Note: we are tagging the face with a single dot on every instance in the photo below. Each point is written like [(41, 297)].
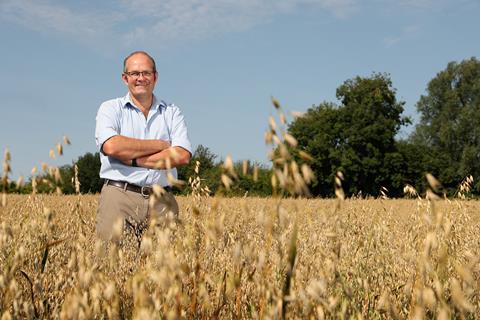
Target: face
[(141, 86)]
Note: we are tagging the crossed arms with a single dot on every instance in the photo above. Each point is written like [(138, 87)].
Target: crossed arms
[(152, 154)]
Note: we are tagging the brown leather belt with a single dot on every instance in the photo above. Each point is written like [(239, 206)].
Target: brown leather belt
[(144, 191)]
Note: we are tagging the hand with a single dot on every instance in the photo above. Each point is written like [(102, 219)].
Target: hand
[(127, 162)]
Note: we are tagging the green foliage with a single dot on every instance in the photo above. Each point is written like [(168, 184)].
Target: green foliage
[(356, 137), (449, 127), (46, 182), (245, 185), (415, 162), (319, 133), (211, 170), (88, 173), (10, 187), (67, 173)]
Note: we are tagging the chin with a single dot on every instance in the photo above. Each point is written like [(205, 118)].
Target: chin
[(142, 92)]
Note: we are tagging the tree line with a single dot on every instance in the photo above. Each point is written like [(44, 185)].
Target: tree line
[(357, 136), (209, 171)]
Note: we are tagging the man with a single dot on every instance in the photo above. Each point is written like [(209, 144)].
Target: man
[(139, 137)]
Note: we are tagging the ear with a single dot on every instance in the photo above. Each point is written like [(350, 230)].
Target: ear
[(125, 79)]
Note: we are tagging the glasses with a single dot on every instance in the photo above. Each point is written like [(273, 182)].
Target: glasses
[(137, 74)]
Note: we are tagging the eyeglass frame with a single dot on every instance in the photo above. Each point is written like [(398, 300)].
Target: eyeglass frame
[(145, 74)]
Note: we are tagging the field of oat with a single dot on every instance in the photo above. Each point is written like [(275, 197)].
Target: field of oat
[(244, 258)]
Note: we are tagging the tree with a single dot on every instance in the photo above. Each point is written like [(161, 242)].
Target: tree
[(450, 120), (211, 170), (208, 169), (88, 173), (246, 184), (67, 183), (319, 133), (357, 137)]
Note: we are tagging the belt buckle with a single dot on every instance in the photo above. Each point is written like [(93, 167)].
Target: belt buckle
[(146, 196)]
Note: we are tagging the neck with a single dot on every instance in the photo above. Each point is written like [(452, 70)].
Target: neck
[(143, 102)]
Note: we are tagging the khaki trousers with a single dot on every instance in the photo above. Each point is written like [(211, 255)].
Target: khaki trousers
[(119, 209)]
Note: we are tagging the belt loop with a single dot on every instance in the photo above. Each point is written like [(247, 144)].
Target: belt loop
[(125, 187), (106, 181)]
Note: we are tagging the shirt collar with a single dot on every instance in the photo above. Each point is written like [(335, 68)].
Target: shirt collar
[(156, 104)]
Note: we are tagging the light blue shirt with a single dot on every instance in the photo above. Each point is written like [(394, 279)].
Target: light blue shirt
[(121, 117)]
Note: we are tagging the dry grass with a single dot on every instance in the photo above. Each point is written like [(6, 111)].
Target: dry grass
[(245, 258), (229, 258)]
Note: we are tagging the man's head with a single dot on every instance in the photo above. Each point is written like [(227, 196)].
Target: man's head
[(140, 74), (135, 53)]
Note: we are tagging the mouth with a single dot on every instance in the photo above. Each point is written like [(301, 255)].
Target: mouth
[(142, 82)]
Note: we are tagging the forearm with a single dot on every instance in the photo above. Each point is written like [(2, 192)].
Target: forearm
[(172, 157), (126, 149)]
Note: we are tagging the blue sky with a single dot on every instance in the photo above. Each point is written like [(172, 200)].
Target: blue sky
[(219, 60)]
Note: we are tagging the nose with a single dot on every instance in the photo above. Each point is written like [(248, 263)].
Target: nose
[(142, 78)]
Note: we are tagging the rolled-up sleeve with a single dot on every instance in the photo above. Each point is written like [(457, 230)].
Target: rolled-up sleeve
[(107, 124), (179, 134)]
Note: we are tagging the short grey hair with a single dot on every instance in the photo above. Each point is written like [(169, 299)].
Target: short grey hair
[(139, 52)]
